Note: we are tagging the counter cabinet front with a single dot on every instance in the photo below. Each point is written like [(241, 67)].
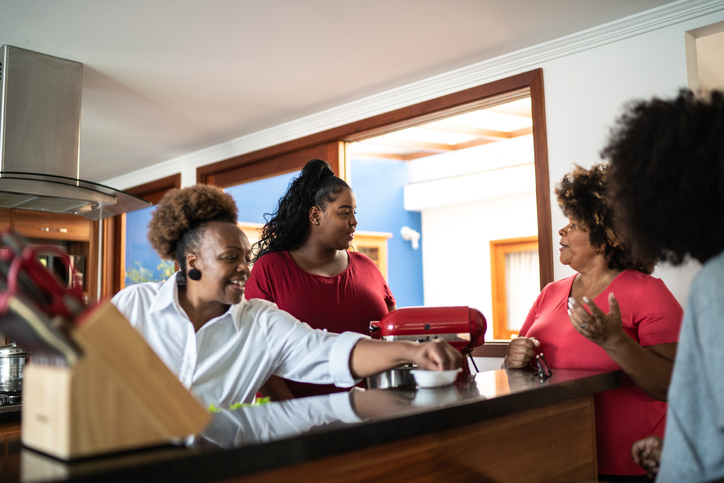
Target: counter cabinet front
[(494, 426)]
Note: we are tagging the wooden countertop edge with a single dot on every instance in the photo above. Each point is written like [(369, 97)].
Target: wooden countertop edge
[(222, 464)]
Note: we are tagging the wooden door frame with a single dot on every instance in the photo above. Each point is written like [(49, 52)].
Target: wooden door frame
[(285, 157), (114, 232)]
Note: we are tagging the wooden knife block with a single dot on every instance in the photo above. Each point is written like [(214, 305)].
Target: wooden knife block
[(119, 396)]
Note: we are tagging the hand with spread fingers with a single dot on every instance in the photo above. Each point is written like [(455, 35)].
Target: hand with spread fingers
[(521, 352), (600, 328)]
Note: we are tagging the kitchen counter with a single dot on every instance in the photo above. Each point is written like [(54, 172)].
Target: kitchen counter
[(497, 425)]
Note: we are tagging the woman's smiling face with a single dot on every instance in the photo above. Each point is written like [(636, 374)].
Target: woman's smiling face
[(224, 260)]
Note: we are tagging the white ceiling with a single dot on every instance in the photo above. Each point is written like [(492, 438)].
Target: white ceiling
[(165, 78)]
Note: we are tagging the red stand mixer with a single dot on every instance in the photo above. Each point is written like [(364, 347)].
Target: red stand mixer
[(461, 327)]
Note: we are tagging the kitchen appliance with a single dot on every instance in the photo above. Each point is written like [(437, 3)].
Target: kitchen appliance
[(400, 377), (12, 362), (71, 273), (40, 103), (462, 327)]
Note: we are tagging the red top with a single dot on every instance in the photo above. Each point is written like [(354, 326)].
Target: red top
[(348, 301), (650, 315)]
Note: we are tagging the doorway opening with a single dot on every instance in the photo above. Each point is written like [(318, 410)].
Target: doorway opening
[(440, 192)]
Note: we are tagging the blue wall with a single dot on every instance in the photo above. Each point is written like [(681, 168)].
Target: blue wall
[(379, 187), (259, 197)]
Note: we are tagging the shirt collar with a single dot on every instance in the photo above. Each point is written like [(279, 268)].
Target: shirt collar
[(166, 295)]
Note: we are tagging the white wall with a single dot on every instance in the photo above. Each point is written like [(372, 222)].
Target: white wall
[(585, 92), (456, 248)]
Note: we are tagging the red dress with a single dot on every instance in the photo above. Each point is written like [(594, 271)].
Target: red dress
[(650, 315), (348, 301)]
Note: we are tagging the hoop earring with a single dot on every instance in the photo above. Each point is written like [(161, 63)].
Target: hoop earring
[(194, 274)]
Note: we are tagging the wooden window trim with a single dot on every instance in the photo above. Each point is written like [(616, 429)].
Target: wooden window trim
[(374, 239), (285, 156), (498, 250), (247, 168), (114, 229)]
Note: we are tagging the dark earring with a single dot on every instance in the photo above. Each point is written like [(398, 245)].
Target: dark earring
[(195, 274)]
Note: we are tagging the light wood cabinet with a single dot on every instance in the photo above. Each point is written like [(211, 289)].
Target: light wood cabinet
[(73, 234), (47, 226)]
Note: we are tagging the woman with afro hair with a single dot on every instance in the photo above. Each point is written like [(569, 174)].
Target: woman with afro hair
[(578, 323), (303, 264), (667, 180), (224, 348)]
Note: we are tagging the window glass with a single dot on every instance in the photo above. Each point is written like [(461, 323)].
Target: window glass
[(142, 262)]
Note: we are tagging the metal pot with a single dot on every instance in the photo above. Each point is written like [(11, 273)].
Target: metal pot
[(12, 362), (397, 377)]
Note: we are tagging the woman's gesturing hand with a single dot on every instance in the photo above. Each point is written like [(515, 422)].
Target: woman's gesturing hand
[(520, 352), (437, 356), (603, 329)]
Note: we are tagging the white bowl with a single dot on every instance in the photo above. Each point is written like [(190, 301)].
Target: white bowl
[(425, 378)]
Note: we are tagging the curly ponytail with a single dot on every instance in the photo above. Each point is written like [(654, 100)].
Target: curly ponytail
[(287, 227)]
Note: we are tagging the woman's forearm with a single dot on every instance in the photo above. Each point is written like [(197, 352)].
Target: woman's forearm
[(647, 369), (371, 357)]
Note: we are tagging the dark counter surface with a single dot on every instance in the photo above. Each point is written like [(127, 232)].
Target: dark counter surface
[(257, 438)]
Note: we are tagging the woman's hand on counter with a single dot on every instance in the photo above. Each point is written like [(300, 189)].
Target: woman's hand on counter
[(521, 351), (370, 357)]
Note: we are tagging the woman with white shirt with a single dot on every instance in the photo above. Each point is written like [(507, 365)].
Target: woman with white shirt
[(222, 347)]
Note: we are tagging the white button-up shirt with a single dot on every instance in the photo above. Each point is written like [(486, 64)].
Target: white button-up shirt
[(232, 355)]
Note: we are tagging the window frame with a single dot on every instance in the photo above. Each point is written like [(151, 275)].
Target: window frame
[(114, 231), (498, 250)]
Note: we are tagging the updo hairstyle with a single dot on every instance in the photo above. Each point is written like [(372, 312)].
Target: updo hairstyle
[(177, 225), (582, 195), (287, 227)]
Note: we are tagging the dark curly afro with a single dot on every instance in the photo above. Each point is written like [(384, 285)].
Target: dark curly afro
[(177, 224), (667, 176), (583, 195)]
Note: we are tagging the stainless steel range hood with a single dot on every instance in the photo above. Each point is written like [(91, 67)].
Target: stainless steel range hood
[(40, 137)]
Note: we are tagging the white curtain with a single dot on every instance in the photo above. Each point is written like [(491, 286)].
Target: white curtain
[(522, 285)]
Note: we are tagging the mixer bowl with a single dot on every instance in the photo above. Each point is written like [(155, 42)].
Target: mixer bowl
[(398, 377)]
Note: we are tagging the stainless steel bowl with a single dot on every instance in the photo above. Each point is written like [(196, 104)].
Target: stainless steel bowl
[(12, 362), (397, 377)]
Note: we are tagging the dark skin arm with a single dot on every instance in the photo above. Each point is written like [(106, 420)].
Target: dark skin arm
[(370, 357), (648, 367), (277, 389)]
